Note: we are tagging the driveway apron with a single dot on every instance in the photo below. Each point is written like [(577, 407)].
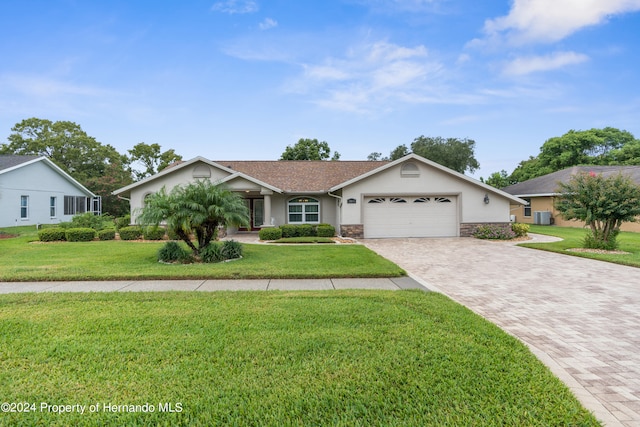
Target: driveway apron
[(580, 317)]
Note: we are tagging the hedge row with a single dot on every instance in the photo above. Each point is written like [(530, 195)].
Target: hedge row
[(57, 234), (298, 230)]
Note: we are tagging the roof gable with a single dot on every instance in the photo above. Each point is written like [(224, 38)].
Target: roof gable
[(547, 185), (434, 165), (12, 162)]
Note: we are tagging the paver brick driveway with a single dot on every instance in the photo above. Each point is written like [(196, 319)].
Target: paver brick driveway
[(579, 316)]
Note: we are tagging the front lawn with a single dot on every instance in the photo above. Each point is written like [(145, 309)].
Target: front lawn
[(352, 358), (573, 237), (22, 259)]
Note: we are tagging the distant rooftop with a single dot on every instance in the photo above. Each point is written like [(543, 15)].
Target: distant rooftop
[(548, 184)]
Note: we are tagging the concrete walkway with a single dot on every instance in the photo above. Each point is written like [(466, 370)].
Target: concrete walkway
[(580, 317), (392, 284)]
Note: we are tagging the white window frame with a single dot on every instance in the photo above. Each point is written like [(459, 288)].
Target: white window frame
[(304, 203), (24, 207), (53, 207)]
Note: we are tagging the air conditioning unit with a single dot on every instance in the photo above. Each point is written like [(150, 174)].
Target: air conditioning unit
[(542, 218)]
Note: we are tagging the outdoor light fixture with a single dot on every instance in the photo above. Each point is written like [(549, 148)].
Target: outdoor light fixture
[(486, 199)]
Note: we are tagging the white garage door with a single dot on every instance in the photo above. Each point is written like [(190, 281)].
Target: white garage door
[(410, 216)]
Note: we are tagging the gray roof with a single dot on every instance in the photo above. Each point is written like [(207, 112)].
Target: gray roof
[(10, 161), (548, 184)]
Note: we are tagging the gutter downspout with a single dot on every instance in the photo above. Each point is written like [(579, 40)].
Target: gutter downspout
[(339, 200)]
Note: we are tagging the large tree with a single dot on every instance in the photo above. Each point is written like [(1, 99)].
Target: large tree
[(309, 149), (454, 153), (66, 144), (602, 203), (197, 209), (606, 146), (151, 158), (78, 154)]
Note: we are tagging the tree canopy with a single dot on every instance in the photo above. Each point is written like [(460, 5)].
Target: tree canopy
[(454, 153), (66, 144), (608, 146), (152, 159), (309, 149), (196, 208)]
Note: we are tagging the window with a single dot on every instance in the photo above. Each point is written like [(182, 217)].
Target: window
[(75, 205), (397, 200), (422, 200), (527, 208), (52, 206), (304, 210), (441, 200), (377, 200), (24, 207)]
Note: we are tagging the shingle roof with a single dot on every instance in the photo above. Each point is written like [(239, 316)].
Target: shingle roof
[(548, 184), (10, 161), (302, 175)]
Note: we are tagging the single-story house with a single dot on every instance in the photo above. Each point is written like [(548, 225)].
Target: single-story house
[(33, 190), (408, 197), (542, 191)]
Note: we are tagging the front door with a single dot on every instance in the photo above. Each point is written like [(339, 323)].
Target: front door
[(256, 212)]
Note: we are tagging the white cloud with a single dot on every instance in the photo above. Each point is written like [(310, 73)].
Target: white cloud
[(235, 6), (531, 64), (371, 76), (531, 21), (267, 24)]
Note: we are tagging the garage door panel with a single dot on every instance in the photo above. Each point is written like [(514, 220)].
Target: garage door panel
[(428, 217)]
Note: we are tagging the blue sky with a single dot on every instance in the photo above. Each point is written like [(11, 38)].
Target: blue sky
[(242, 79)]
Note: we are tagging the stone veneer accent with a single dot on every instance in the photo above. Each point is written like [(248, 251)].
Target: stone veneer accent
[(355, 231), (466, 229)]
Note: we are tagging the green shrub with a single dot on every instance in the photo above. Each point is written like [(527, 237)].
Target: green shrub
[(123, 221), (306, 230), (90, 220), (298, 230), (133, 232), (289, 230), (51, 234), (154, 233), (591, 242), (494, 232), (173, 252), (520, 229), (325, 230), (80, 234), (271, 233), (107, 234), (231, 249), (212, 253)]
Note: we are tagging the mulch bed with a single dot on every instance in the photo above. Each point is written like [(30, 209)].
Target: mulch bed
[(7, 235), (598, 251)]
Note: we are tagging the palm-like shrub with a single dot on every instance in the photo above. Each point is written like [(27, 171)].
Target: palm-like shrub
[(195, 209)]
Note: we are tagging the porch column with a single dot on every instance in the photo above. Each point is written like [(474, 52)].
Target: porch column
[(267, 207)]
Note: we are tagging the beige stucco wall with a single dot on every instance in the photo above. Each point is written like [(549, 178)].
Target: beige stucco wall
[(170, 180), (431, 181), (546, 204)]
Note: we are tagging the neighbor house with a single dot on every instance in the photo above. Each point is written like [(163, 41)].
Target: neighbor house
[(541, 193), (33, 190), (408, 197)]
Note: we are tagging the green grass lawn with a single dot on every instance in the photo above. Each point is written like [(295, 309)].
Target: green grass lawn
[(573, 237), (352, 358), (23, 259)]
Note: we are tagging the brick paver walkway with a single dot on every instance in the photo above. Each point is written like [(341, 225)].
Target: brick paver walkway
[(581, 317)]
